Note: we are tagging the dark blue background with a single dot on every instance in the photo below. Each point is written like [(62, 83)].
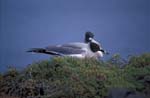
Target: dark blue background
[(122, 26)]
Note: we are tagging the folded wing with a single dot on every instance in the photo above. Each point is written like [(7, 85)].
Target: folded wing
[(58, 50)]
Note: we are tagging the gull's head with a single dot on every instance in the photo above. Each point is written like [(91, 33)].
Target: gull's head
[(94, 41), (96, 48), (88, 35)]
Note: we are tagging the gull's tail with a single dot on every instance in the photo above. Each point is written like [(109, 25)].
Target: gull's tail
[(42, 50)]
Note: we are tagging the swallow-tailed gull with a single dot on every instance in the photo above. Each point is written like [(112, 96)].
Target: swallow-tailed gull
[(90, 49)]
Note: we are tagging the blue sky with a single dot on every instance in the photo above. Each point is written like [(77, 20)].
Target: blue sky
[(121, 26)]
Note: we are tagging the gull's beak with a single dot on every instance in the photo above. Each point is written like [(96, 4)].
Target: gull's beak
[(104, 52)]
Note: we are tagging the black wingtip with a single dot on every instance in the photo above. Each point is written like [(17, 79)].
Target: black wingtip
[(37, 50), (29, 50), (42, 50)]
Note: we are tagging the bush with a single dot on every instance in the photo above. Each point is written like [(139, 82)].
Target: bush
[(76, 78), (140, 61)]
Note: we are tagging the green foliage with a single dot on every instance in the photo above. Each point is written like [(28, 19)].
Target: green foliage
[(140, 61), (138, 72), (77, 78)]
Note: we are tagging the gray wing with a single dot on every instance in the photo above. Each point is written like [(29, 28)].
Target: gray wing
[(63, 50), (75, 45)]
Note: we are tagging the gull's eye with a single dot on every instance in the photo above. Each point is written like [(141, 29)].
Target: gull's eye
[(90, 39), (94, 47)]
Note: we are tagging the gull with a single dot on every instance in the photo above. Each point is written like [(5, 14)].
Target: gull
[(89, 49)]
